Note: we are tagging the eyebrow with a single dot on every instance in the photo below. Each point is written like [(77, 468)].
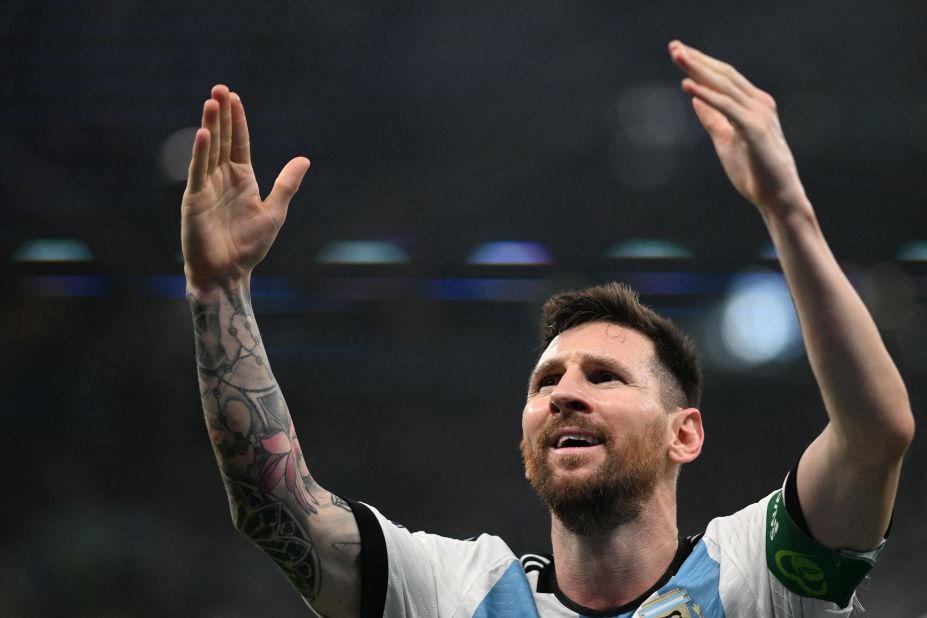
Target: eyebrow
[(585, 359)]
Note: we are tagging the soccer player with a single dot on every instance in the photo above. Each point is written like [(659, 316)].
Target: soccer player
[(611, 416)]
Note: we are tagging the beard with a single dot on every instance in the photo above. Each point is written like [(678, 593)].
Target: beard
[(611, 495)]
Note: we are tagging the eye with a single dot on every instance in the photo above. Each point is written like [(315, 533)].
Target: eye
[(606, 376), (547, 381)]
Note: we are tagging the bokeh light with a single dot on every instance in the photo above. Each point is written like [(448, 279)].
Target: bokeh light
[(758, 321)]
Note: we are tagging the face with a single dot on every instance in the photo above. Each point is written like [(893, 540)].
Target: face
[(595, 431)]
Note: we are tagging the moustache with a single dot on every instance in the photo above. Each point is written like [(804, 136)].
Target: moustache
[(600, 431)]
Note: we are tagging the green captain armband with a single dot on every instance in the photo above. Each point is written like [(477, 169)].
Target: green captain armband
[(806, 567)]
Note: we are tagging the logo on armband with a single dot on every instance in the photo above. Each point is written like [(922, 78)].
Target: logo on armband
[(803, 565), (802, 570)]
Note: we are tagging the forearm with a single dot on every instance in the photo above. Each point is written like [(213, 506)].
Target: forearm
[(251, 430), (304, 529), (226, 230), (847, 477), (862, 389)]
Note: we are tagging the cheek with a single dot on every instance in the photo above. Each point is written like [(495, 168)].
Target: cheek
[(531, 418)]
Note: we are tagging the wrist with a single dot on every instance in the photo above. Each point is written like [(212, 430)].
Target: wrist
[(788, 212), (786, 226), (204, 288)]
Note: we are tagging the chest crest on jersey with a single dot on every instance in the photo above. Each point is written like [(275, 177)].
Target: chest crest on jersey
[(673, 604)]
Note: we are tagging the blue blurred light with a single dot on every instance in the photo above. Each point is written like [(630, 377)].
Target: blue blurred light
[(660, 283), (769, 253), (913, 251), (167, 286), (647, 248), (67, 285), (175, 286), (758, 321), (271, 287), (499, 290), (510, 253), (363, 252), (53, 250)]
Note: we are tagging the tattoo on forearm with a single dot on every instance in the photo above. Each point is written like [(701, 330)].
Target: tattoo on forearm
[(256, 447), (271, 526)]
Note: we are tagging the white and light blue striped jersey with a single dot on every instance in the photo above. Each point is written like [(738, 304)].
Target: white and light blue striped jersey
[(755, 563)]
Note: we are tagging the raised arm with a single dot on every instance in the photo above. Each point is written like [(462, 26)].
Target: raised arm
[(848, 476), (226, 230)]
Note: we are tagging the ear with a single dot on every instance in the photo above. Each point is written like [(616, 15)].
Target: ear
[(688, 436)]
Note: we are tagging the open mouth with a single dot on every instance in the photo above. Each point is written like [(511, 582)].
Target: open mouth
[(575, 440)]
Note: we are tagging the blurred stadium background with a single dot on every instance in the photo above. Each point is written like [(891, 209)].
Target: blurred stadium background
[(468, 160)]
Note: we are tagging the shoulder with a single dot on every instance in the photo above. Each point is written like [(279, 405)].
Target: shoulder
[(766, 559), (442, 551), (740, 531), (408, 573)]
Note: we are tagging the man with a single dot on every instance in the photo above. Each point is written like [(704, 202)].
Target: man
[(610, 418)]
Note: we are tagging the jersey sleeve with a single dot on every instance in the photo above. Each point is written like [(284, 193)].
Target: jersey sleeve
[(770, 567), (416, 574)]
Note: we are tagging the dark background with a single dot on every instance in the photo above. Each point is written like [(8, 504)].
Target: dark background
[(436, 127)]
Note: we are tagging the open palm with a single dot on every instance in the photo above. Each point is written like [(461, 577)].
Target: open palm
[(226, 229), (743, 123)]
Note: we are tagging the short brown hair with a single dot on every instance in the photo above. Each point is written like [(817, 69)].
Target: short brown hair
[(676, 361)]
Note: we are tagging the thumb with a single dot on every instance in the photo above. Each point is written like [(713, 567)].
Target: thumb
[(287, 184)]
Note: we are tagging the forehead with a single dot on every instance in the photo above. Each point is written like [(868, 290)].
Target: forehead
[(623, 344)]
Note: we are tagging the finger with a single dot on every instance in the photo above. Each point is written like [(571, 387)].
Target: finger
[(199, 162), (211, 122), (241, 142), (286, 185), (722, 103), (221, 94), (703, 72), (694, 56), (714, 121), (711, 72), (723, 67)]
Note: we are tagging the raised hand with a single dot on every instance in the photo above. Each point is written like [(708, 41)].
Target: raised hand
[(226, 229), (744, 125)]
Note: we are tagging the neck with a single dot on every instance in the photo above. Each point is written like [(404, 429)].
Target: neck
[(609, 570)]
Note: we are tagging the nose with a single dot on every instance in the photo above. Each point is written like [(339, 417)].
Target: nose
[(569, 396)]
